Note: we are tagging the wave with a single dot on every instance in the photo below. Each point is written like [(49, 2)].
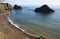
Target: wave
[(19, 27)]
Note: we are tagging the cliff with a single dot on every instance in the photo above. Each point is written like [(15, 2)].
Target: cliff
[(5, 6)]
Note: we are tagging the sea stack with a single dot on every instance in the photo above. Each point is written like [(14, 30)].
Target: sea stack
[(44, 9), (16, 7)]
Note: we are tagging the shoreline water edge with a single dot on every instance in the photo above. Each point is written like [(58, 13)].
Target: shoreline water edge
[(15, 25)]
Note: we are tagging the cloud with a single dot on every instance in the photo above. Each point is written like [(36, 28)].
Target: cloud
[(34, 2)]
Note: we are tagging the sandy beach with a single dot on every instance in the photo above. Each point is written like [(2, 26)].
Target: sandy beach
[(8, 31)]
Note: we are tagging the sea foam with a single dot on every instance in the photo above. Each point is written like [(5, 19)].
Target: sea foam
[(19, 27)]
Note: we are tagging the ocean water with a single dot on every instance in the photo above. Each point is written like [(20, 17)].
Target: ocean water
[(46, 25)]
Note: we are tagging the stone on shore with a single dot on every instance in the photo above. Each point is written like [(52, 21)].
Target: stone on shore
[(16, 7), (44, 9)]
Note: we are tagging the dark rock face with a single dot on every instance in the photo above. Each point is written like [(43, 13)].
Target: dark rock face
[(44, 9), (16, 7)]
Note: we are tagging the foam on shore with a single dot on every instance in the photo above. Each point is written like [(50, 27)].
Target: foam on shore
[(19, 27)]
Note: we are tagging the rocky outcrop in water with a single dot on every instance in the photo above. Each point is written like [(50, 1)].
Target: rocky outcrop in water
[(5, 6), (44, 9), (16, 7)]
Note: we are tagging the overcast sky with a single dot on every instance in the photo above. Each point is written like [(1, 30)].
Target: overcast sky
[(34, 2)]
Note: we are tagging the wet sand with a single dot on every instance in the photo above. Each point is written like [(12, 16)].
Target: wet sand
[(8, 31)]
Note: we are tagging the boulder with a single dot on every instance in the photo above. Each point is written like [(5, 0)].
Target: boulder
[(44, 9), (16, 7)]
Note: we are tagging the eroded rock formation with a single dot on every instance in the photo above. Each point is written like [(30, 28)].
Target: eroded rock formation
[(5, 6)]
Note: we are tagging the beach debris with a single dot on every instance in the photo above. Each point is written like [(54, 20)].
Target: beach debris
[(44, 9)]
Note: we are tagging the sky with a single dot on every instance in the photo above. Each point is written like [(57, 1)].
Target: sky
[(33, 2)]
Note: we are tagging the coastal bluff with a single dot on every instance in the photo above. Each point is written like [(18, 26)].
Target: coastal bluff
[(5, 6)]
